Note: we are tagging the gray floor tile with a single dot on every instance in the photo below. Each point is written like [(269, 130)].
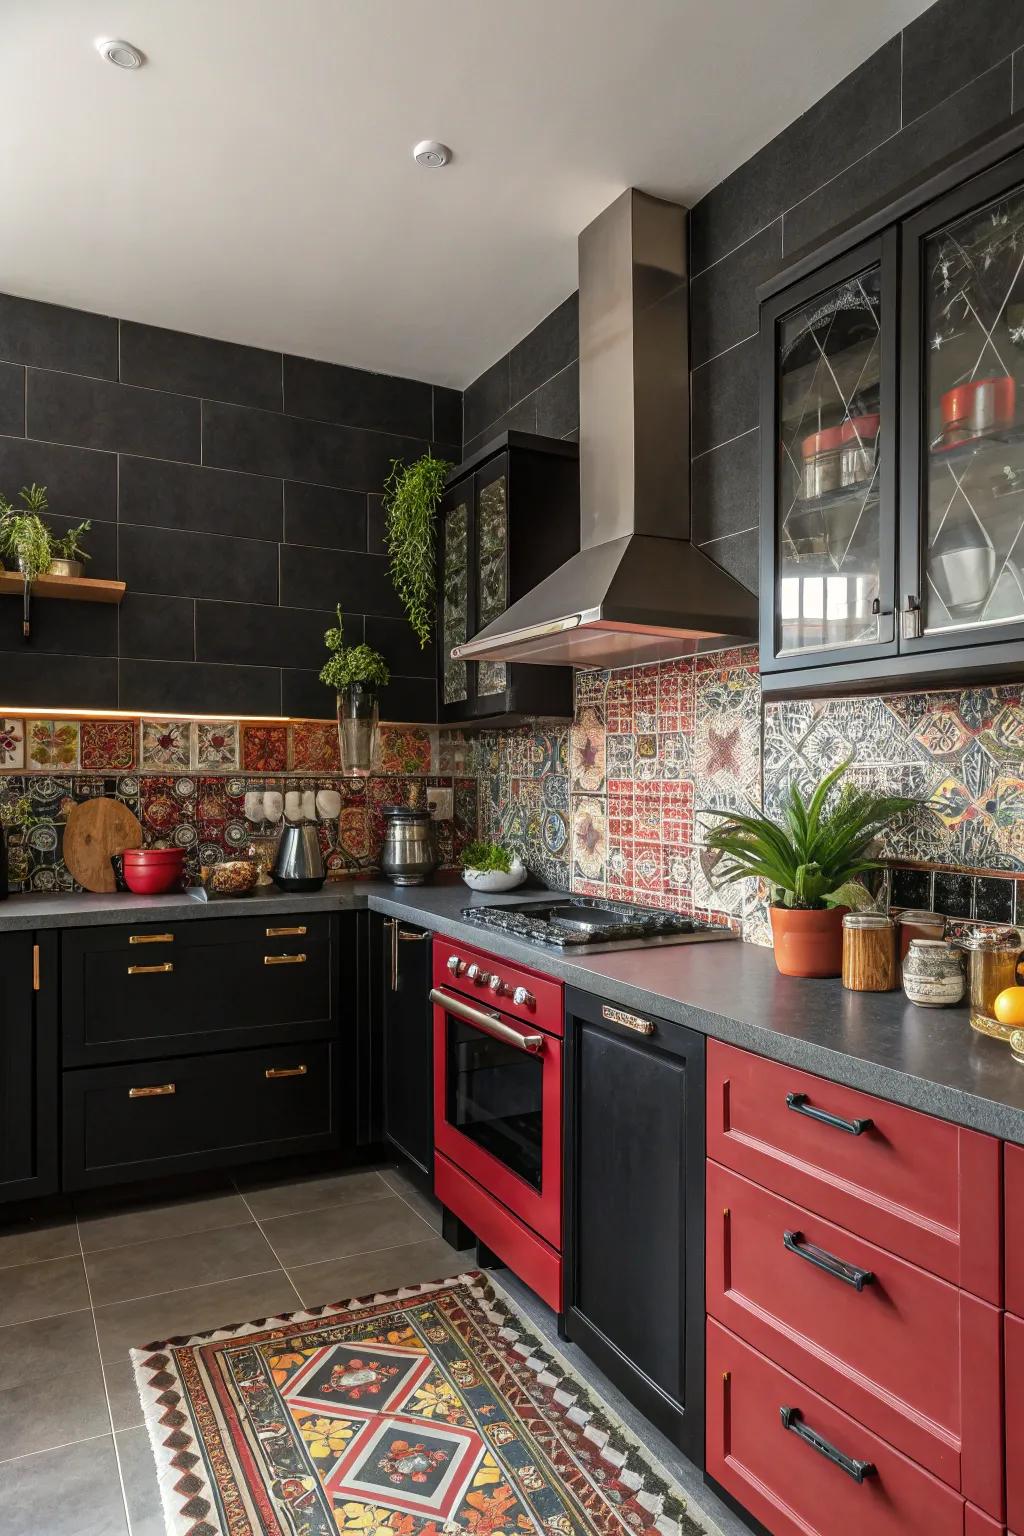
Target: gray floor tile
[(341, 1279), (28, 1291), (156, 1219), (57, 1351), (122, 1393), (411, 1193), (29, 1242), (138, 1471), (71, 1492), (286, 1197), (132, 1324), (338, 1231), (177, 1263)]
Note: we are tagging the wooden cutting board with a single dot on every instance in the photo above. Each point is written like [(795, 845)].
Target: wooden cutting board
[(95, 830)]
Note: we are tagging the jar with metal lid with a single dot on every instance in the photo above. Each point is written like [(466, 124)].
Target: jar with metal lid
[(821, 451), (858, 444), (869, 952), (995, 957), (933, 974), (917, 923)]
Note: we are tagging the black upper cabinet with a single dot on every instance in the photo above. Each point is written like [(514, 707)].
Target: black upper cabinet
[(509, 517), (28, 1066), (892, 411), (407, 1038)]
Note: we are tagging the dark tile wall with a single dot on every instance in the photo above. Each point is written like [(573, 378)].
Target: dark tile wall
[(236, 492), (534, 388)]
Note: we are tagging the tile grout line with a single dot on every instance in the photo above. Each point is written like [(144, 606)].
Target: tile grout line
[(368, 1252), (269, 1244), (103, 1374), (64, 1446)]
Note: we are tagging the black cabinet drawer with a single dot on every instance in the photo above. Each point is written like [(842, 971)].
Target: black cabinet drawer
[(131, 993), (193, 1112)]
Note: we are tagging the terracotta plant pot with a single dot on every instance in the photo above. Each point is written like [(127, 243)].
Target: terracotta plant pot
[(808, 943)]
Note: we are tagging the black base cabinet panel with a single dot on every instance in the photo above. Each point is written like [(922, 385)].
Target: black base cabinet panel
[(185, 1114), (634, 1239), (407, 1040), (28, 1066)]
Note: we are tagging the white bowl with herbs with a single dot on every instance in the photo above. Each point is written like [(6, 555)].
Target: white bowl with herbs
[(491, 868)]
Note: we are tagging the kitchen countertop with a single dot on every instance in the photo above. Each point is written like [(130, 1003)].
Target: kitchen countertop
[(929, 1059)]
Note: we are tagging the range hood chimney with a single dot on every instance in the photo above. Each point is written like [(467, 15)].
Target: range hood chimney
[(638, 590)]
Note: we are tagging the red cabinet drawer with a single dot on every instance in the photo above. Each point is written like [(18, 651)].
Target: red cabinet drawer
[(794, 1489), (1013, 1196), (977, 1523), (1014, 1341), (910, 1356), (920, 1187)]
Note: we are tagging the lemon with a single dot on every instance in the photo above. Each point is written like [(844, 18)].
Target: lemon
[(1009, 1006)]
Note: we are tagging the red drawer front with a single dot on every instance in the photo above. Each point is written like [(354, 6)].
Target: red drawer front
[(1014, 1339), (977, 1523), (908, 1355), (1013, 1185), (537, 1265), (793, 1489), (917, 1186), (546, 1009)]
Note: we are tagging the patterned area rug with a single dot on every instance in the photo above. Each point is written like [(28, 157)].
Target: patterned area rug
[(429, 1411)]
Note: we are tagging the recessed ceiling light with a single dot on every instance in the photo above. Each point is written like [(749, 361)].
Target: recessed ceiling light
[(430, 153), (116, 51)]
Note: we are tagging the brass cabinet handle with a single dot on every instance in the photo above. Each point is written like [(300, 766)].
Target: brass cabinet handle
[(35, 968), (286, 933), (412, 938), (151, 938), (284, 959), (158, 1091), (273, 1072), (631, 1021), (151, 970)]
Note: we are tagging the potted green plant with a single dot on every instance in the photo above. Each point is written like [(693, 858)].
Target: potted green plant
[(490, 866), (24, 537), (809, 858), (68, 555), (356, 673), (411, 494)]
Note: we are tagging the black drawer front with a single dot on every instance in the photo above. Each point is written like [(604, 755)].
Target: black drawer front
[(131, 993), (123, 1123)]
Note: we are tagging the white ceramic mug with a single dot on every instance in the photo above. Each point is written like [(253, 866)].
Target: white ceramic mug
[(273, 804)]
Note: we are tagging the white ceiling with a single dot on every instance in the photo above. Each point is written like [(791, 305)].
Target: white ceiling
[(254, 181)]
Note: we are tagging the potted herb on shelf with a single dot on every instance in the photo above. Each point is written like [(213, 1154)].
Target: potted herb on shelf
[(411, 494), (24, 537), (68, 555), (356, 673), (810, 859)]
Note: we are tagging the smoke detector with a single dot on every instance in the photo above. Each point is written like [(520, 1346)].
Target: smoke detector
[(116, 51), (430, 153)]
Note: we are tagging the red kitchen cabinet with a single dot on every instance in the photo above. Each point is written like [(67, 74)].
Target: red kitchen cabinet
[(1013, 1231), (1014, 1348), (977, 1523)]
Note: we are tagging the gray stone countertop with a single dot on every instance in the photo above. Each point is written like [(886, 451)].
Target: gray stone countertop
[(928, 1059)]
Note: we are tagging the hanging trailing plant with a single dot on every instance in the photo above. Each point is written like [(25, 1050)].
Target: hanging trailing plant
[(411, 495)]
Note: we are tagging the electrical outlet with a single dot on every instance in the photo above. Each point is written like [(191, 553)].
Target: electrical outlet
[(439, 803)]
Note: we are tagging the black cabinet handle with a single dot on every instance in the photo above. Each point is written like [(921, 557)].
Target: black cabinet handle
[(858, 1470), (849, 1274), (798, 1102)]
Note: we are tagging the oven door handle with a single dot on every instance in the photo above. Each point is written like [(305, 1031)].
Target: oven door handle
[(488, 1022)]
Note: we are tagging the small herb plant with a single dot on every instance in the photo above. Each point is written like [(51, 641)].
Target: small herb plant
[(30, 542), (810, 857), (351, 663), (69, 546), (483, 857), (411, 495)]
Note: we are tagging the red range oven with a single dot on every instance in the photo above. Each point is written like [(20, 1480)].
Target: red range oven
[(498, 1108)]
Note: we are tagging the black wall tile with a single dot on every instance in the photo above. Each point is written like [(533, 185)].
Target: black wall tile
[(397, 643), (319, 515), (101, 545), (193, 688), (375, 522), (724, 397), (409, 698), (156, 628), (1018, 80), (63, 408), (50, 336), (30, 679), (161, 494), (320, 578), (953, 893), (903, 160), (79, 482), (993, 900), (724, 490), (947, 46), (302, 693), (12, 399), (736, 554), (266, 443), (447, 414), (354, 398), (179, 564), (549, 348), (486, 399), (558, 403), (254, 635), (723, 298), (82, 629), (912, 888), (198, 365)]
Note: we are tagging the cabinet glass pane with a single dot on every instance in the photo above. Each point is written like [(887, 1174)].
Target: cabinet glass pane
[(974, 461), (492, 539), (828, 555), (455, 609)]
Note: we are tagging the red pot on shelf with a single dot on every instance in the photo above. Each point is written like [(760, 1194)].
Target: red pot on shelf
[(153, 871)]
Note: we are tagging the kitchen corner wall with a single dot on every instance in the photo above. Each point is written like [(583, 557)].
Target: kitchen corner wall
[(235, 490)]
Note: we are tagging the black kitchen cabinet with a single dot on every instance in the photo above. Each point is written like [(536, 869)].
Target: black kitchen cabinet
[(892, 439), (634, 1240), (407, 1049), (28, 1066), (510, 516)]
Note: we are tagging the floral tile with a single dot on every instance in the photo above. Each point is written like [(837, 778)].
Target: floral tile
[(405, 749), (12, 744), (264, 748), (314, 747), (52, 743), (618, 702), (215, 744), (166, 744), (109, 744), (587, 751)]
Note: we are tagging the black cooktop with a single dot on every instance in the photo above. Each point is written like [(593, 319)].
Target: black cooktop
[(584, 922)]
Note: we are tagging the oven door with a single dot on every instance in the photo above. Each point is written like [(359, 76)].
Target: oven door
[(498, 1108)]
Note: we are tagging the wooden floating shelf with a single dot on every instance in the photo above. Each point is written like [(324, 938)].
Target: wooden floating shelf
[(74, 589)]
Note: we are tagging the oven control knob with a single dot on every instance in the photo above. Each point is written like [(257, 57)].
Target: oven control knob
[(476, 974), (497, 986), (455, 965), (523, 998)]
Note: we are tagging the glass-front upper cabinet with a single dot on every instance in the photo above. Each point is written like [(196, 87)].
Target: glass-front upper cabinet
[(828, 348)]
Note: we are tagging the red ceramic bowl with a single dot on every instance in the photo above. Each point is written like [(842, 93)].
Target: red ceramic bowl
[(152, 871)]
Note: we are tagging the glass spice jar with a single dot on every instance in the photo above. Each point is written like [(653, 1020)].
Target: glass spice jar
[(869, 952), (994, 960)]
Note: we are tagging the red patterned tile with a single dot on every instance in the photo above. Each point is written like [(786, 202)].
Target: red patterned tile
[(264, 748), (109, 745), (618, 707), (315, 747), (404, 749)]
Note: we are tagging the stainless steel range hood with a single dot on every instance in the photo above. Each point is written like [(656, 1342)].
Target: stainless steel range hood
[(638, 590)]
